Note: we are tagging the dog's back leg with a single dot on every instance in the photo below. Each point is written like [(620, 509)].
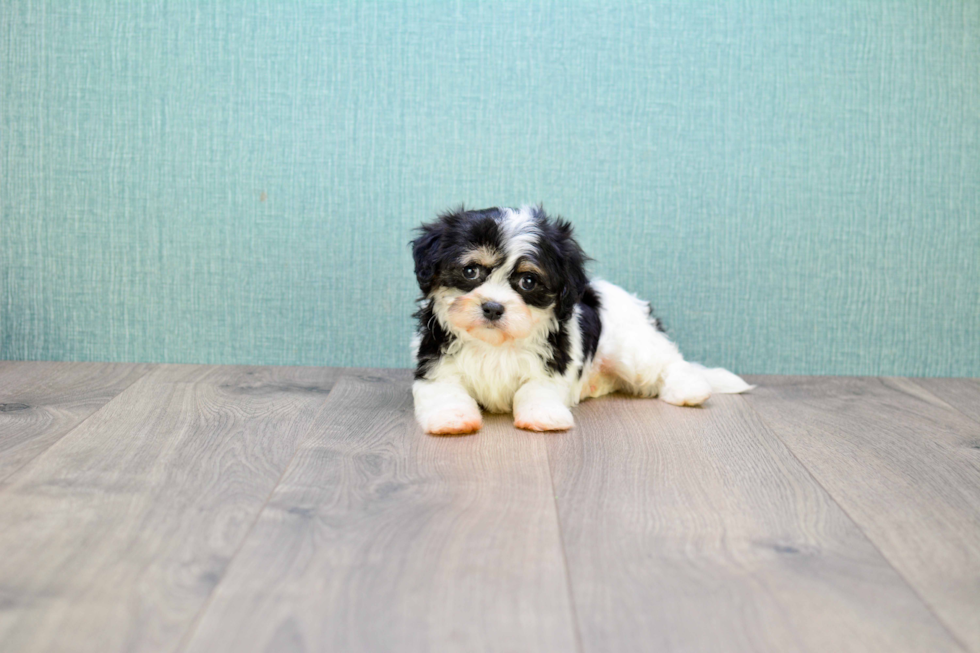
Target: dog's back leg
[(645, 361)]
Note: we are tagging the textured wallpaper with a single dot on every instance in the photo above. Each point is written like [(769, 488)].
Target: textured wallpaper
[(795, 185)]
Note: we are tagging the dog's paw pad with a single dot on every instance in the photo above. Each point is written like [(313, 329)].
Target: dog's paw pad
[(687, 390), (544, 418), (453, 421)]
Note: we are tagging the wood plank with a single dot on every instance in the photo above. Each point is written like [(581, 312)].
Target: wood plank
[(697, 530), (904, 466), (961, 394), (266, 378), (114, 538), (381, 538), (41, 401)]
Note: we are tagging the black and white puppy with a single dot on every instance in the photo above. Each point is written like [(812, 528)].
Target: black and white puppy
[(509, 321)]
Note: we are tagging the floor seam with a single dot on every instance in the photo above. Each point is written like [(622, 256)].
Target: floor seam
[(4, 484), (955, 409), (830, 495), (576, 627), (192, 628)]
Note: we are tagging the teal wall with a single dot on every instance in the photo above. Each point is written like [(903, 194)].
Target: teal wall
[(795, 185)]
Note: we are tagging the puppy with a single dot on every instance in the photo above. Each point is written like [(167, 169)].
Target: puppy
[(509, 321)]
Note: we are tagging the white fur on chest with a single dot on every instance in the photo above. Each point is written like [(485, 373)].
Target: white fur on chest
[(492, 374)]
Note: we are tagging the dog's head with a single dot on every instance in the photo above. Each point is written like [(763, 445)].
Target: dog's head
[(498, 275)]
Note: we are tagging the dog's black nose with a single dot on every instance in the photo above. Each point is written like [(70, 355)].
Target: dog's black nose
[(492, 310)]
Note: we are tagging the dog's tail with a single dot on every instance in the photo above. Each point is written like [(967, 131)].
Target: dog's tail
[(722, 381)]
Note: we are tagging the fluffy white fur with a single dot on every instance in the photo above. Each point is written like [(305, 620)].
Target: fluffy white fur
[(502, 367)]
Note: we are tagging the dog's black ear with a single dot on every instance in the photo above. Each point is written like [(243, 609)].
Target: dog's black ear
[(573, 270), (425, 250)]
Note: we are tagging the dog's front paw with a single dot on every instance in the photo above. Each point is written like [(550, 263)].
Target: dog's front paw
[(543, 417), (685, 389), (452, 420)]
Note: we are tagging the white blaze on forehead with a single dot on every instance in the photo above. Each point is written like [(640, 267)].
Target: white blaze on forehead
[(521, 233), (520, 236), (497, 292)]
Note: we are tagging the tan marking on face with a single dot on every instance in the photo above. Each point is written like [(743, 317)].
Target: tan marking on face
[(466, 314), (527, 266), (483, 255)]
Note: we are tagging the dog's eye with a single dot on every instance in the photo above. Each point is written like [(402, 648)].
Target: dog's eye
[(471, 272), (527, 282)]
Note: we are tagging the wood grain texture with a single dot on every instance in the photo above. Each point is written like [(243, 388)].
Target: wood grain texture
[(114, 538), (258, 378), (41, 401), (697, 530), (905, 467), (381, 538), (961, 394)]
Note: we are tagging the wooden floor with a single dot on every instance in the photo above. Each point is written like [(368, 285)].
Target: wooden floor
[(207, 509)]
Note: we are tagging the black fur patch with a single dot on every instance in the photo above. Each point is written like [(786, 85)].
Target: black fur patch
[(433, 340), (442, 243), (560, 350), (563, 263), (654, 320), (590, 325)]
